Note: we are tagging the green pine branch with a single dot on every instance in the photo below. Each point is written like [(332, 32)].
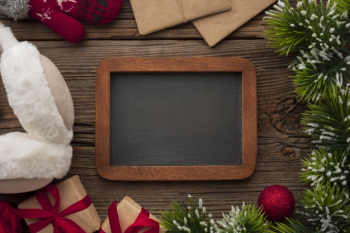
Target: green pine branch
[(292, 226), (317, 33), (327, 207), (194, 219), (311, 24), (248, 219), (325, 166), (328, 123), (318, 74), (186, 219)]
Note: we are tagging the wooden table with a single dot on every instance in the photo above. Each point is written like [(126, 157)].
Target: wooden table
[(281, 143)]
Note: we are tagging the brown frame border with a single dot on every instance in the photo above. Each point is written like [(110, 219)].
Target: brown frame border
[(161, 173)]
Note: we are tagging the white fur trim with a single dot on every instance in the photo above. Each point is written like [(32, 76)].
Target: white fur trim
[(24, 157), (7, 39), (29, 95), (17, 9)]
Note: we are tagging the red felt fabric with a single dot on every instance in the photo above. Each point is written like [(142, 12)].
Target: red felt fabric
[(9, 221), (62, 15)]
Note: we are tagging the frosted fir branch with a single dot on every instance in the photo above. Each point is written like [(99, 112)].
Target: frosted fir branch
[(328, 122), (247, 219), (324, 166), (326, 207), (317, 72), (293, 226), (188, 219), (291, 30)]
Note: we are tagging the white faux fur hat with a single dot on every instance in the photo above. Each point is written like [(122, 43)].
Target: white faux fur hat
[(44, 151)]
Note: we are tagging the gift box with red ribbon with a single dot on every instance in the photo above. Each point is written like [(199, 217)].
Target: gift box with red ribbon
[(129, 217), (60, 209)]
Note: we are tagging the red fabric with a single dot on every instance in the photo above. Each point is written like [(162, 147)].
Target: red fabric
[(62, 15), (141, 221), (49, 214), (9, 221)]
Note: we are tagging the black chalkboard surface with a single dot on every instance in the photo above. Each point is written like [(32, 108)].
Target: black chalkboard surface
[(183, 119), (176, 119)]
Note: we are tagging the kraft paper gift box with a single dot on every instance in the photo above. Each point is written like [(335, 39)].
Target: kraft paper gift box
[(128, 211), (71, 191), (155, 15), (216, 27)]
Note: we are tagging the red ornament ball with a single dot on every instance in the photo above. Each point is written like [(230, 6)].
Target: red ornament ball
[(277, 202)]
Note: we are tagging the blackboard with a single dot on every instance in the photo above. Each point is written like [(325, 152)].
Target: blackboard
[(182, 119), (176, 119)]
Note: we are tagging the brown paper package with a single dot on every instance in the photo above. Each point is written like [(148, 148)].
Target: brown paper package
[(155, 15), (128, 210), (71, 191), (216, 27)]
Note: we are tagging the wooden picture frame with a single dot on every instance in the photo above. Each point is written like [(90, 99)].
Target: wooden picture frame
[(176, 173)]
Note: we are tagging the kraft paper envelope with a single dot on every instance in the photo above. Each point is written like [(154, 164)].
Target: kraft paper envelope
[(216, 27), (155, 15)]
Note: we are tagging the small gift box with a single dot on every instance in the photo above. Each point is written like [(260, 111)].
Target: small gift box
[(129, 217), (155, 15), (62, 208)]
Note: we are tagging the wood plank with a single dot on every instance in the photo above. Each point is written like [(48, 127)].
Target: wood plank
[(126, 29)]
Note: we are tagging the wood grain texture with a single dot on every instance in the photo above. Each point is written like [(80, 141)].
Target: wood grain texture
[(281, 143), (249, 119)]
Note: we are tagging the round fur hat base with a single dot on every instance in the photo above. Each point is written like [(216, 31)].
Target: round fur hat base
[(59, 91), (22, 185)]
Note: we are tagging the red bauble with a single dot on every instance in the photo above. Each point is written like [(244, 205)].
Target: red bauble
[(277, 202)]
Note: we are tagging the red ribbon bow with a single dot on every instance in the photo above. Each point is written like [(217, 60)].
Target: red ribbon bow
[(9, 221), (49, 214), (141, 221)]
